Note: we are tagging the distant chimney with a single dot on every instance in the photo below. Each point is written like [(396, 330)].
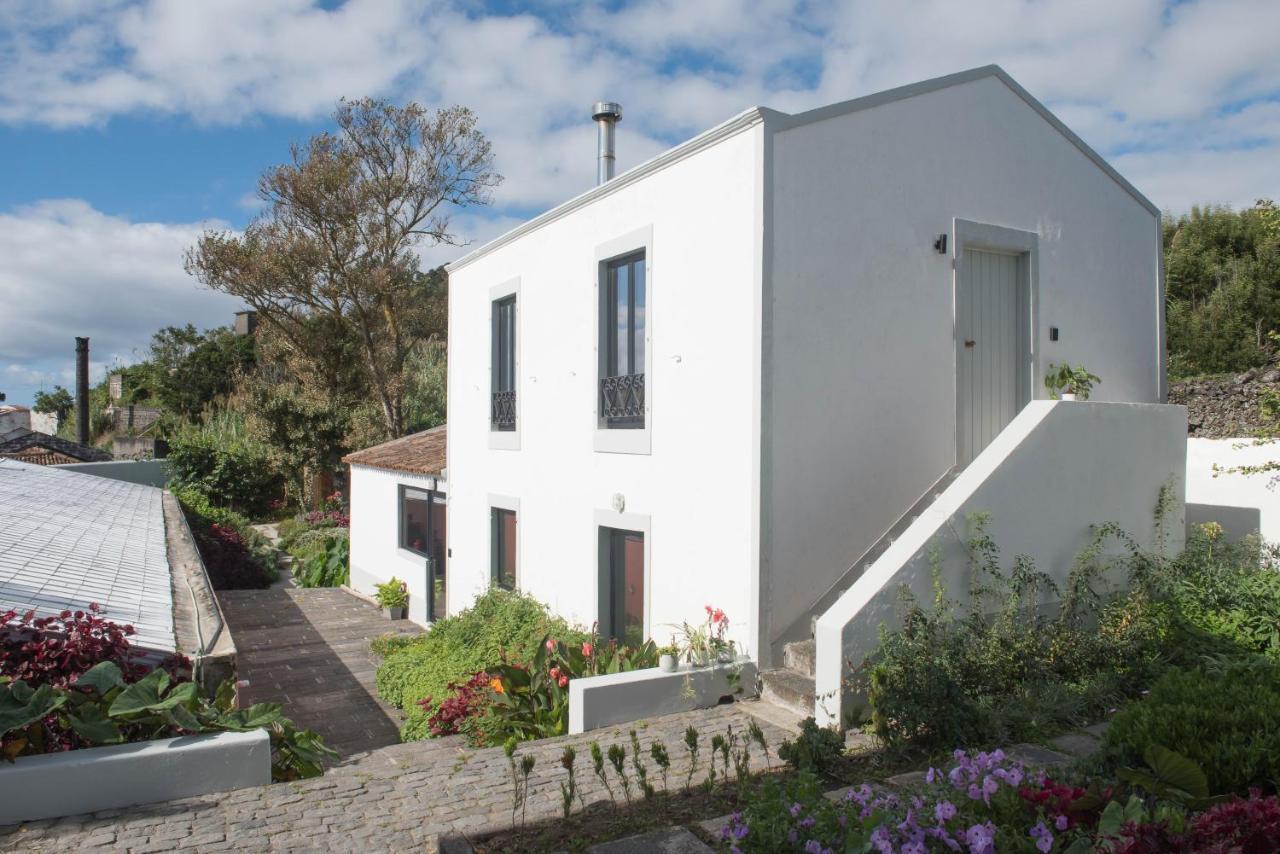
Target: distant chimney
[(606, 114), (246, 322), (82, 391)]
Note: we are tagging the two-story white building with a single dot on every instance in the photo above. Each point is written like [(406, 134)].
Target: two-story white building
[(725, 376)]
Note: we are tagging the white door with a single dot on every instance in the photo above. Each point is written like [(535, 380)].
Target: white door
[(991, 347)]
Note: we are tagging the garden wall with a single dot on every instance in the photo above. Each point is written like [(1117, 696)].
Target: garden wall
[(1242, 503), (619, 698), (1056, 470)]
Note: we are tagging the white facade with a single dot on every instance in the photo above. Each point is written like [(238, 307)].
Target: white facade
[(801, 360), (1242, 503), (376, 552)]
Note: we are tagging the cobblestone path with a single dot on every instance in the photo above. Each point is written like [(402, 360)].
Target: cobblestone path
[(397, 798), (309, 649)]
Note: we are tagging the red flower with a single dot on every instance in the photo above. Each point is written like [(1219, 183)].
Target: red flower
[(586, 649), (563, 682), (555, 672)]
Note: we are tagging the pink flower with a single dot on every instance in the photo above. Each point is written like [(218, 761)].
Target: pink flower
[(555, 672), (551, 645), (563, 682), (586, 649)]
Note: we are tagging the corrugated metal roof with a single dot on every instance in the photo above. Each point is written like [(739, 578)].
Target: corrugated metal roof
[(68, 539)]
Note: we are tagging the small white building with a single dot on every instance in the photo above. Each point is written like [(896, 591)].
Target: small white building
[(734, 374), (399, 519)]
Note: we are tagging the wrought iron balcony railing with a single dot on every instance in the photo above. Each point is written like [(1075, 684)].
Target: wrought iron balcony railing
[(502, 415), (622, 401)]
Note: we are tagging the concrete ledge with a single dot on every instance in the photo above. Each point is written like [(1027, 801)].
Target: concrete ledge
[(125, 775), (619, 698)]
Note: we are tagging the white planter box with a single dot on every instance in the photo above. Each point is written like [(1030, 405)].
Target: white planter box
[(619, 698), (124, 775)]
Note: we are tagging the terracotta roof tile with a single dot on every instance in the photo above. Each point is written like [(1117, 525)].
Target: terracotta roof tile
[(419, 453)]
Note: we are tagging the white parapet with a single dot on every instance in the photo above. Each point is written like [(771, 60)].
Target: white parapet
[(619, 698), (1056, 470), (125, 775)]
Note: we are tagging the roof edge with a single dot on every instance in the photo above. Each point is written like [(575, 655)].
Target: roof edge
[(742, 121), (968, 76)]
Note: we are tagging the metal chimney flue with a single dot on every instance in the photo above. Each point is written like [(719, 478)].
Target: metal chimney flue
[(82, 391), (606, 115)]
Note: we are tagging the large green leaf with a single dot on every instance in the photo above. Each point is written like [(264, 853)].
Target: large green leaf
[(183, 718), (146, 693), (255, 717), (20, 705), (102, 677), (92, 724)]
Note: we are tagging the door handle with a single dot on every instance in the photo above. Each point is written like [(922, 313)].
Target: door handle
[(968, 345)]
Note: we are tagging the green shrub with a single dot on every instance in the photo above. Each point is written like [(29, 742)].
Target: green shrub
[(330, 566), (456, 647), (816, 749), (311, 542), (219, 460), (1226, 719), (1229, 593), (288, 529)]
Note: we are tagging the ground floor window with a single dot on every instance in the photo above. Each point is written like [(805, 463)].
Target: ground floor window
[(423, 531), (622, 595), (502, 550)]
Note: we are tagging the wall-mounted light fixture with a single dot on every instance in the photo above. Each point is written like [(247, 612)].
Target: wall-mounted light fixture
[(940, 245)]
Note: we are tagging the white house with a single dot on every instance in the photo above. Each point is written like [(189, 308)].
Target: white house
[(398, 519), (736, 374)]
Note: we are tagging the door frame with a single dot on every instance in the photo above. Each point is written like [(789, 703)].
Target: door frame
[(640, 523), (434, 495), (968, 234)]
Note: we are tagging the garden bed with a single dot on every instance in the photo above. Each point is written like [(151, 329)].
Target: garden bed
[(125, 775), (618, 698)]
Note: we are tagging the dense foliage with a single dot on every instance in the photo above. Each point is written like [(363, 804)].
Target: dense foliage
[(327, 562), (55, 650), (499, 622), (1225, 719), (219, 460), (1008, 670), (234, 554), (1222, 279)]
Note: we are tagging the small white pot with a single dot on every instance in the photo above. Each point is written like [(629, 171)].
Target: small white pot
[(1066, 395), (667, 663)]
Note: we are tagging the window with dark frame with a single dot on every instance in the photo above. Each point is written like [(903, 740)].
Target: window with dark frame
[(503, 410), (622, 315), (502, 550), (423, 531)]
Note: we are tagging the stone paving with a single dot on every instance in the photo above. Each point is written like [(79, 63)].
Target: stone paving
[(413, 796), (309, 649)]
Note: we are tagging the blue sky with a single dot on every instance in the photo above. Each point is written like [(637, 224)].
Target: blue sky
[(128, 126)]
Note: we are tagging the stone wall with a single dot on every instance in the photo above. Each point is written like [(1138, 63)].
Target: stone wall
[(1226, 407)]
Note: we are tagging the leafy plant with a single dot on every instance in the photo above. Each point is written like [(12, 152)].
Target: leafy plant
[(1227, 722), (220, 461), (570, 789), (617, 758), (1064, 378), (100, 707), (662, 759), (691, 744), (816, 749), (393, 594), (329, 568), (597, 765)]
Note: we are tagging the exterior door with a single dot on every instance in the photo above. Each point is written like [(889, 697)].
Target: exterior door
[(623, 615), (992, 353)]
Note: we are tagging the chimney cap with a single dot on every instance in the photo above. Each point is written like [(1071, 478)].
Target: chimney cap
[(606, 110)]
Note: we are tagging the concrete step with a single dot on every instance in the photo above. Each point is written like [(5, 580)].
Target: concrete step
[(801, 656), (790, 690), (783, 719)]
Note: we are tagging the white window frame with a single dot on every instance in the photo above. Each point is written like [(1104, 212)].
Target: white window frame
[(628, 440), (505, 440)]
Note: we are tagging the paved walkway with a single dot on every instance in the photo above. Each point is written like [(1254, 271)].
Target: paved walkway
[(309, 649), (406, 801)]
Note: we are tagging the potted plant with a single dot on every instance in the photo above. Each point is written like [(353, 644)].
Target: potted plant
[(1069, 383), (394, 598), (668, 657)]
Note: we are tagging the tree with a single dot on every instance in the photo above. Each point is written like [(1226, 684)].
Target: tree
[(339, 240), (59, 402), (193, 370)]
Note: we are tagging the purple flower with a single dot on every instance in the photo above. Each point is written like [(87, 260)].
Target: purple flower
[(915, 846), (1043, 837), (741, 830), (933, 775), (1061, 822), (981, 838), (944, 811), (795, 810), (813, 846), (808, 822), (882, 840)]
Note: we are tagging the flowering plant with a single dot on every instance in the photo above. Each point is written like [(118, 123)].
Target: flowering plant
[(705, 643)]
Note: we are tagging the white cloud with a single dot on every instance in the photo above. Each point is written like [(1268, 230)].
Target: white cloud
[(69, 270)]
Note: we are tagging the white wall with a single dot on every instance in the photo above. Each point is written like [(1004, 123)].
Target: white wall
[(1055, 471), (376, 555), (696, 486), (860, 391), (1241, 503)]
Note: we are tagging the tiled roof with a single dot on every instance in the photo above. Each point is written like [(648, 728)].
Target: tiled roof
[(68, 539), (419, 453), (27, 439)]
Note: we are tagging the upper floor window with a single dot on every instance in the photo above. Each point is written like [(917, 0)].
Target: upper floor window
[(503, 409), (623, 342)]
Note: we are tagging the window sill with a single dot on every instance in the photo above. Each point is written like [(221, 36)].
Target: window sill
[(504, 440), (623, 440)]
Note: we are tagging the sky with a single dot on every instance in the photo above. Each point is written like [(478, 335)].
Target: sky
[(128, 127)]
